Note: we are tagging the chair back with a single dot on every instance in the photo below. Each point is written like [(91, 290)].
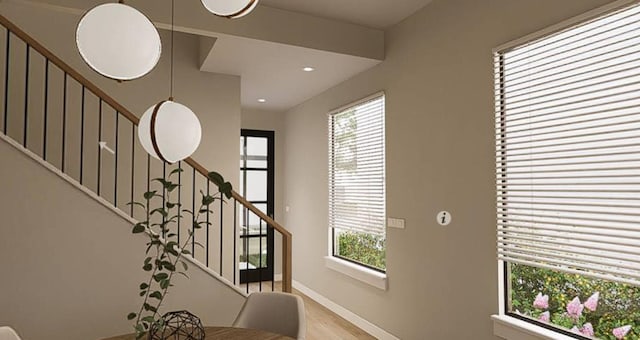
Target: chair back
[(275, 312), (7, 333)]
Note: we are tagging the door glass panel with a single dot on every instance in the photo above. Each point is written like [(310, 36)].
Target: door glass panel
[(256, 146), (254, 221), (255, 260), (259, 162), (256, 185)]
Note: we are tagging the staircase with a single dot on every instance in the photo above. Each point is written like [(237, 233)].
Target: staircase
[(64, 121)]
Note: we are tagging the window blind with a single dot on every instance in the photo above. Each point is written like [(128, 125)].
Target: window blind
[(356, 167), (568, 149)]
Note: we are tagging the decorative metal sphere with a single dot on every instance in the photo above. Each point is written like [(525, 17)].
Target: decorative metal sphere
[(179, 325), (118, 41), (230, 8), (169, 131)]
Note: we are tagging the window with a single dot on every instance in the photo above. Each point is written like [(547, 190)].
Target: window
[(357, 182), (568, 177)]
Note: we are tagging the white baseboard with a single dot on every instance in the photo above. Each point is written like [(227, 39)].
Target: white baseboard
[(348, 315)]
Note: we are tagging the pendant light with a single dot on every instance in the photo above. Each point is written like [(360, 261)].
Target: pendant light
[(230, 8), (118, 41), (170, 131)]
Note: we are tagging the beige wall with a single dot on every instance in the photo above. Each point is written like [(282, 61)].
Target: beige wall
[(214, 98), (440, 156), (71, 267), (272, 121)]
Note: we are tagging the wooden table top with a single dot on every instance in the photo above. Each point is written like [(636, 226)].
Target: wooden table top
[(226, 333)]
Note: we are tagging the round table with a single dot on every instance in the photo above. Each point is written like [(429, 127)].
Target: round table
[(226, 333)]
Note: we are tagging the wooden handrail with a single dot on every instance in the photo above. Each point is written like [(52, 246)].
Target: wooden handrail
[(286, 235)]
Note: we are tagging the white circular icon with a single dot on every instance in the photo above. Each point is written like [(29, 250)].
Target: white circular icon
[(443, 218)]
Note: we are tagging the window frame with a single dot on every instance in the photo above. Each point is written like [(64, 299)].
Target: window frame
[(509, 324), (372, 275)]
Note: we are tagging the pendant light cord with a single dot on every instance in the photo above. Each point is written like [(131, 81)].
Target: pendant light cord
[(172, 30)]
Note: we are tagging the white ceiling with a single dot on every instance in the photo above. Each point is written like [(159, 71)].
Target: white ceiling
[(273, 71), (371, 13)]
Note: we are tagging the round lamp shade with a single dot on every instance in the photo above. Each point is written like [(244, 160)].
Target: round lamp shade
[(230, 8), (169, 131), (118, 41)]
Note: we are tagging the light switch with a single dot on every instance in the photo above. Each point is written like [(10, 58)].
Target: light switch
[(395, 223)]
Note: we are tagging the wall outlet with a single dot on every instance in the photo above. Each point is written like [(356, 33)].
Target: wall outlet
[(395, 223)]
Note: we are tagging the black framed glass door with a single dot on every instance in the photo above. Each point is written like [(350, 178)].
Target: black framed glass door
[(257, 186)]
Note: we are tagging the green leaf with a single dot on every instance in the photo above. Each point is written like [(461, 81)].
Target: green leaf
[(171, 205), (207, 200), (184, 274), (149, 307), (148, 319), (216, 178), (226, 189), (156, 295), (160, 180), (149, 195), (131, 316), (186, 252), (160, 211), (147, 267), (164, 284), (171, 187), (140, 332), (142, 293), (160, 277), (147, 260), (170, 248), (176, 170), (137, 203), (138, 228), (184, 265), (169, 265), (144, 285)]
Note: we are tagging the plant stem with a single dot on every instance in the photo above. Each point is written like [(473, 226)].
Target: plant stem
[(195, 219)]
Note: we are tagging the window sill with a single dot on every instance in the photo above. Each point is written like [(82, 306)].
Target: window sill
[(366, 275), (510, 328)]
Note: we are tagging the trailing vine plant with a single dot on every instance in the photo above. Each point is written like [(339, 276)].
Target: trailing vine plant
[(164, 253)]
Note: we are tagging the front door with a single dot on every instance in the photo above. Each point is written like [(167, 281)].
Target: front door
[(257, 186)]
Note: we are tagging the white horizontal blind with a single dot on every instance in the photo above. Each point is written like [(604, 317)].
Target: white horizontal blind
[(356, 167), (568, 149)]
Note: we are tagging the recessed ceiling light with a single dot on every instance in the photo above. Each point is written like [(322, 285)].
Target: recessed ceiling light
[(308, 69), (262, 100)]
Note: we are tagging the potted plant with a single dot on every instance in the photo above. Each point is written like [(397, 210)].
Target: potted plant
[(164, 255)]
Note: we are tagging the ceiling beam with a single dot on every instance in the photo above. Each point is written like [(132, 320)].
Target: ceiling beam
[(264, 23)]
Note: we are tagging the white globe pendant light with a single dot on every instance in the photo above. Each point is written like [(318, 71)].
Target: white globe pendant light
[(118, 41), (169, 131), (230, 8)]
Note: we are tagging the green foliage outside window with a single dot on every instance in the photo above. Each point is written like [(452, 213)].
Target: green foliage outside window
[(617, 305), (364, 248)]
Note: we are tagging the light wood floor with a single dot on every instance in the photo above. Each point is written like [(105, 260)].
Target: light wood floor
[(322, 324)]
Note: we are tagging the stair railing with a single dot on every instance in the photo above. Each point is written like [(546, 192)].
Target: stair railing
[(126, 176)]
